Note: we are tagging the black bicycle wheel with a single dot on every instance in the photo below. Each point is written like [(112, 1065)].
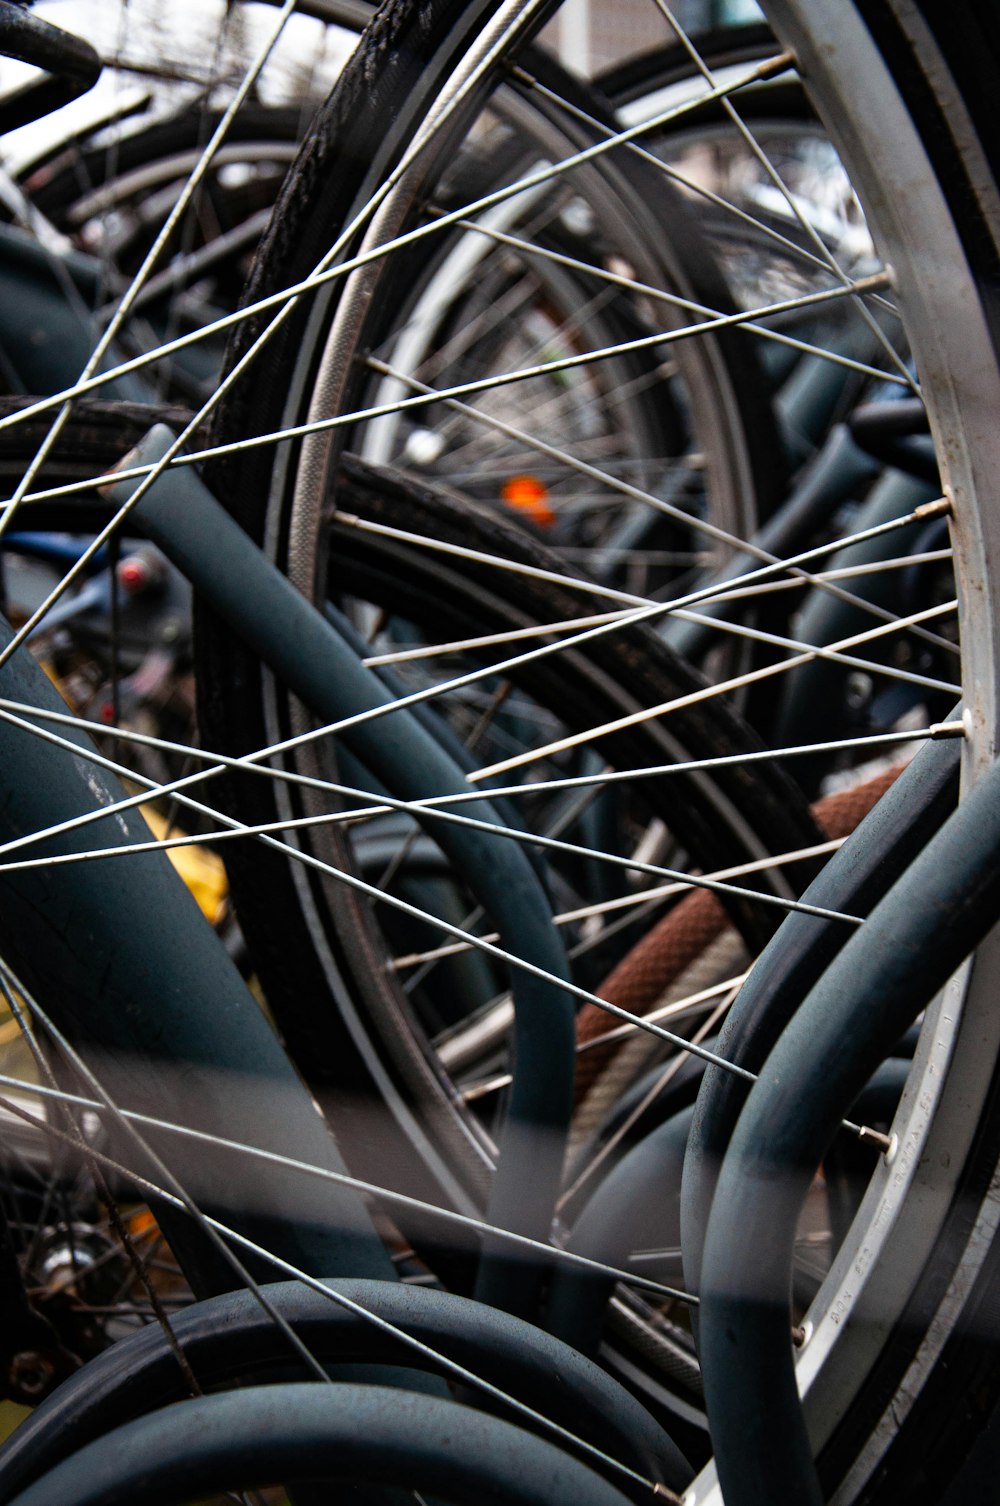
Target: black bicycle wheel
[(346, 1016)]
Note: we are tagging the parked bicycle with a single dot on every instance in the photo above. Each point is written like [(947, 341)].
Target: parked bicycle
[(375, 565)]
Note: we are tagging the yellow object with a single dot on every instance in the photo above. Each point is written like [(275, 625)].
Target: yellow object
[(9, 1031), (201, 870), (10, 1416)]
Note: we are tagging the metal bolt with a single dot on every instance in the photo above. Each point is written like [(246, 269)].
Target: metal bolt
[(29, 1373)]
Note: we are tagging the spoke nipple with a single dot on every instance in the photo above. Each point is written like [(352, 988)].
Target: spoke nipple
[(948, 729), (772, 66), (664, 1493), (875, 1137), (29, 1375), (874, 283), (939, 508)]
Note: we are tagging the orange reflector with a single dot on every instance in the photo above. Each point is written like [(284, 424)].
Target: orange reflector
[(529, 495)]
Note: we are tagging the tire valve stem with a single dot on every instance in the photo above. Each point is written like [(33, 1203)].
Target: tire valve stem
[(799, 1334)]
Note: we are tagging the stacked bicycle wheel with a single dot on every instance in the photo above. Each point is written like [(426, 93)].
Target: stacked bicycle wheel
[(553, 401)]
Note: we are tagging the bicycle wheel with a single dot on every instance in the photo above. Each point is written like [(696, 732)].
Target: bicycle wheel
[(94, 197), (723, 819), (362, 1021), (430, 111), (951, 350)]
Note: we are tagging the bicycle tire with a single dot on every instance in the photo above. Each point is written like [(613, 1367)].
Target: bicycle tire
[(348, 1435)]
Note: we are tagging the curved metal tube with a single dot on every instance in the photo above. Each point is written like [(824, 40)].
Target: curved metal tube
[(888, 839), (889, 970)]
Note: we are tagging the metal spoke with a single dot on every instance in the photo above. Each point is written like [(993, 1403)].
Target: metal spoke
[(250, 763), (690, 185), (810, 230), (132, 292), (230, 828), (534, 572), (705, 1029), (327, 273), (746, 320), (738, 682), (658, 503)]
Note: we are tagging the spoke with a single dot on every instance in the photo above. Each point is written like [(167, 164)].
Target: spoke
[(490, 640), (767, 671), (658, 503), (360, 886), (184, 270), (534, 572), (230, 829), (425, 395), (135, 287), (720, 591), (806, 224), (830, 654), (327, 273), (420, 399), (669, 1072), (675, 1010), (848, 572), (76, 1138), (135, 1120), (177, 1196), (495, 561), (681, 883), (694, 1003), (690, 185), (746, 319), (652, 341), (455, 1370), (248, 763)]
